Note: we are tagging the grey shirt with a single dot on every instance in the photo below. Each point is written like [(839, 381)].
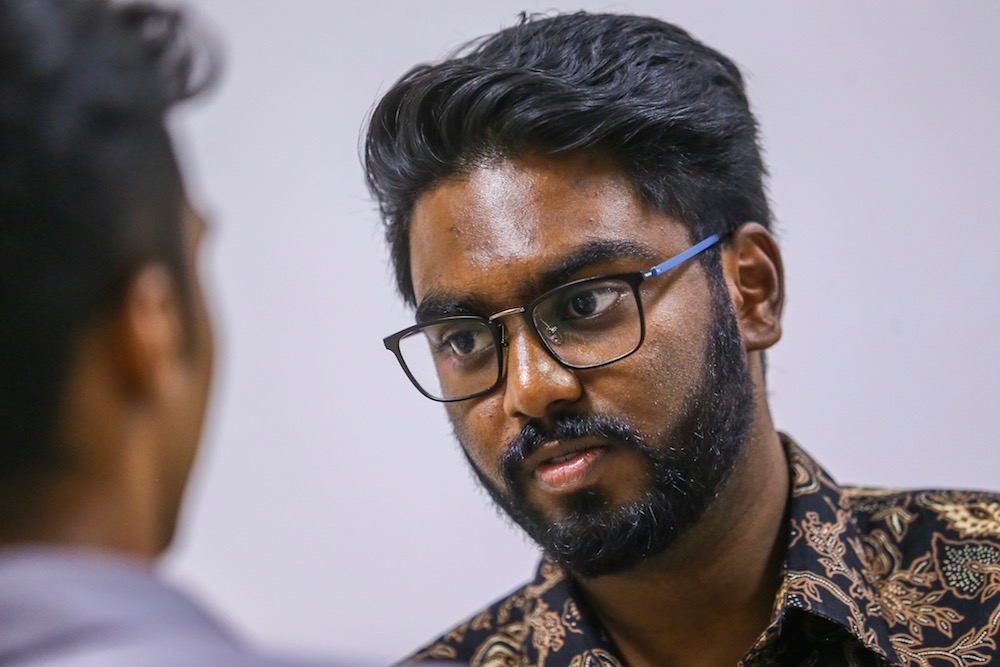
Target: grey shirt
[(62, 608)]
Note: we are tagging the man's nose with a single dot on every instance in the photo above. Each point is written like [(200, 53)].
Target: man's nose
[(535, 382)]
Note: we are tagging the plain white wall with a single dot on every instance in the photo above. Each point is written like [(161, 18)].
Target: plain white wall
[(331, 509)]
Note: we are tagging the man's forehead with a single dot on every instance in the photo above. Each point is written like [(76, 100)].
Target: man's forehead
[(473, 217), (510, 207), (506, 205), (524, 221)]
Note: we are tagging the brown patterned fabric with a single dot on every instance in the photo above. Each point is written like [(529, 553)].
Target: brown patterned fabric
[(871, 577)]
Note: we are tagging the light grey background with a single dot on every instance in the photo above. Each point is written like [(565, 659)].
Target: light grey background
[(331, 509)]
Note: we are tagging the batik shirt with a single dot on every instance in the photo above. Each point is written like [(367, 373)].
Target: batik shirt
[(871, 577)]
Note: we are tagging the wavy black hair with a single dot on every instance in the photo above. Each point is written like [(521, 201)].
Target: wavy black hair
[(90, 189), (671, 111)]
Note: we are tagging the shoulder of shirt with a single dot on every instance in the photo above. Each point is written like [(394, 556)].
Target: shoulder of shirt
[(498, 628), (957, 514)]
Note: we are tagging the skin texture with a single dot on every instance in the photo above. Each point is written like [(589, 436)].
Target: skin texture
[(131, 419), (492, 239)]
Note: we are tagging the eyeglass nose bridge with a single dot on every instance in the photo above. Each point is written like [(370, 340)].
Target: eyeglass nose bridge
[(492, 319)]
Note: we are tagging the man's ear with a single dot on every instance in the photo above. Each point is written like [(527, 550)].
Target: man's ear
[(150, 331), (751, 264)]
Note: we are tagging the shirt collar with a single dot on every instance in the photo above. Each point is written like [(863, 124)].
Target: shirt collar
[(826, 572)]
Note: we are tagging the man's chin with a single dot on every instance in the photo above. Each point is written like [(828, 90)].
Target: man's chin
[(592, 537), (566, 507)]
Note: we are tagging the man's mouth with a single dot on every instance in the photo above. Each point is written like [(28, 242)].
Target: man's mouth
[(568, 471)]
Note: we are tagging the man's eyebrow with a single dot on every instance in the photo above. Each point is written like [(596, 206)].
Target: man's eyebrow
[(596, 252), (436, 305)]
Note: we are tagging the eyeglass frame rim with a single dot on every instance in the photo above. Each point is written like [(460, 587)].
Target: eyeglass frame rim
[(633, 278)]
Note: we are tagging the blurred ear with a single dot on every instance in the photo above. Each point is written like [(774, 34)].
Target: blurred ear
[(151, 331), (751, 263)]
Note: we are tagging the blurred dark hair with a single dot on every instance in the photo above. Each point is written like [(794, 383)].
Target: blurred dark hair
[(671, 111), (90, 189)]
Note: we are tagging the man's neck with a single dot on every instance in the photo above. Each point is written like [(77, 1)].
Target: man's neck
[(706, 600), (105, 512)]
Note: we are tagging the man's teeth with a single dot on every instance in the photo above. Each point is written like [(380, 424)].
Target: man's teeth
[(561, 459)]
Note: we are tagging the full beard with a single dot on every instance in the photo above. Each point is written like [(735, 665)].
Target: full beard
[(688, 469)]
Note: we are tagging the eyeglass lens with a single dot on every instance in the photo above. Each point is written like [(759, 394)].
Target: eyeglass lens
[(590, 323), (452, 358)]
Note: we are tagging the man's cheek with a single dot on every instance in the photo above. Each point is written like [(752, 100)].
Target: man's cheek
[(467, 437)]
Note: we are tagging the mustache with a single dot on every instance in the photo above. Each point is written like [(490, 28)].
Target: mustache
[(536, 434)]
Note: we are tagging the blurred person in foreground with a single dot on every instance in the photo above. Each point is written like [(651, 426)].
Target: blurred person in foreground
[(575, 207), (107, 346)]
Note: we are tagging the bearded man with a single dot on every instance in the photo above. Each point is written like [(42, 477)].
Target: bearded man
[(575, 209)]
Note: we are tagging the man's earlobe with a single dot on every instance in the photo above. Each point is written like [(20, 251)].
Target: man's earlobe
[(751, 263), (151, 329)]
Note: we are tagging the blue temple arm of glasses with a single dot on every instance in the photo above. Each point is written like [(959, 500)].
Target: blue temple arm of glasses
[(680, 258)]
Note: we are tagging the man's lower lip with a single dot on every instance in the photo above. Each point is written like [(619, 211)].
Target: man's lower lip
[(565, 474)]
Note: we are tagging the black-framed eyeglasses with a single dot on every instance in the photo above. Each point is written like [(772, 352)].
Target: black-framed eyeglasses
[(587, 323)]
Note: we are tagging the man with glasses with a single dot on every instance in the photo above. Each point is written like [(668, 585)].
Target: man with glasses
[(575, 209)]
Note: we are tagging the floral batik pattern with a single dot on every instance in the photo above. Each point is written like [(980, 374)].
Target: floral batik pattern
[(871, 577)]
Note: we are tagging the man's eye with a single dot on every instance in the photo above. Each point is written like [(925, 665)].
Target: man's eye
[(590, 301), (465, 342)]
